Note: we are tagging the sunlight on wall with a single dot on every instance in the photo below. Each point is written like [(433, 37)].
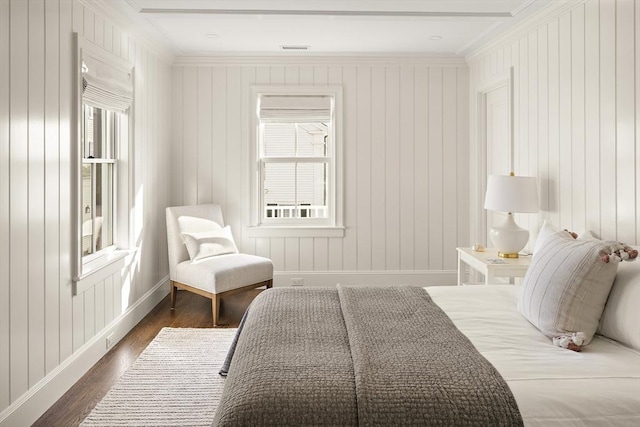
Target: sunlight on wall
[(126, 278), (138, 222)]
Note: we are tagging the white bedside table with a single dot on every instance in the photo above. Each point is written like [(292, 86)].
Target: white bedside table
[(491, 266)]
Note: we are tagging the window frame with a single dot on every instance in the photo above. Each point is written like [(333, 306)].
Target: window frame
[(122, 175), (298, 227), (94, 161)]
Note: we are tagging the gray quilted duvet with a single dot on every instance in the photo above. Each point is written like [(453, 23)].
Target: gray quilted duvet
[(359, 356)]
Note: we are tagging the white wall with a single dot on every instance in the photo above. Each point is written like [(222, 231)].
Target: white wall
[(577, 78), (405, 159), (41, 323)]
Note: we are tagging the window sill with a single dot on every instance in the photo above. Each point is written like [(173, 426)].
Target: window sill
[(294, 231), (100, 268)]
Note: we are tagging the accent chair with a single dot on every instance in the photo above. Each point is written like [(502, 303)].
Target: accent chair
[(210, 276)]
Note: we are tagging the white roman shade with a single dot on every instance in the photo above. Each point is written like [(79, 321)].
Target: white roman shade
[(106, 86), (298, 108)]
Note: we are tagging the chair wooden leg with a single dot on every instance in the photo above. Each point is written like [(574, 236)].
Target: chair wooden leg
[(173, 295), (269, 284), (215, 308)]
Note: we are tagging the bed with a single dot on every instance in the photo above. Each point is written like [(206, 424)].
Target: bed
[(552, 386), (294, 375)]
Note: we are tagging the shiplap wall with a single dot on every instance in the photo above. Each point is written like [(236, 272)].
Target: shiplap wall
[(41, 324), (405, 153), (577, 81)]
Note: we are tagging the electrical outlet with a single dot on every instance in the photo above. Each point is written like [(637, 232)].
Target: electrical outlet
[(110, 341), (297, 281)]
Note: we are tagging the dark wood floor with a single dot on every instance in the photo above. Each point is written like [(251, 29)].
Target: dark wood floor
[(192, 311)]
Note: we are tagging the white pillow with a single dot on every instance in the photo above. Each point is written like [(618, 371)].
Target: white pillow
[(546, 230), (193, 224), (566, 286), (587, 235), (621, 317), (210, 243)]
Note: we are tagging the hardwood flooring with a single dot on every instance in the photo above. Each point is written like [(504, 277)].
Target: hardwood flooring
[(192, 311)]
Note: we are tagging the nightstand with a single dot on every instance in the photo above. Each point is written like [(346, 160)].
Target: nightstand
[(491, 266)]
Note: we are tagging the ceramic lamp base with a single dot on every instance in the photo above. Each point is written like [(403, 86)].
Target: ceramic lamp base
[(509, 238)]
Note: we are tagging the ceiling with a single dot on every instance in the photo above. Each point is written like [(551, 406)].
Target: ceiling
[(307, 27)]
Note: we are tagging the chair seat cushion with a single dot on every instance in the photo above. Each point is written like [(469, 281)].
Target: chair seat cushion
[(224, 272)]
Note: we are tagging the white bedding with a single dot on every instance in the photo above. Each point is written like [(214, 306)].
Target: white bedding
[(599, 386)]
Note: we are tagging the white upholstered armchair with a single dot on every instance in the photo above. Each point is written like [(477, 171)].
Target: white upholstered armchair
[(204, 259)]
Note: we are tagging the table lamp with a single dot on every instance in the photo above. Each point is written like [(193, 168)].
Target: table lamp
[(510, 194)]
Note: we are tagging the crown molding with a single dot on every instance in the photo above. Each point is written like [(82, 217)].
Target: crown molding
[(132, 23), (311, 12), (522, 7), (326, 60), (478, 38), (537, 19)]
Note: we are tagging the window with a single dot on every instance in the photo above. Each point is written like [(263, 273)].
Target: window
[(99, 130), (296, 146), (105, 97), (294, 170)]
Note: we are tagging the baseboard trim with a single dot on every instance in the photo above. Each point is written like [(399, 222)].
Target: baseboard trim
[(368, 278), (39, 398)]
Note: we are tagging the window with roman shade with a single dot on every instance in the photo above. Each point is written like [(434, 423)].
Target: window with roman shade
[(296, 151), (105, 99)]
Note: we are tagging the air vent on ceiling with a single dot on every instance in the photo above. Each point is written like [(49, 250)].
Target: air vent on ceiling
[(293, 47)]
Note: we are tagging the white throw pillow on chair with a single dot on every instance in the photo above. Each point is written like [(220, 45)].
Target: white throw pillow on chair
[(210, 243), (193, 224)]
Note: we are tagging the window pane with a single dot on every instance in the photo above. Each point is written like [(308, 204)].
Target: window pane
[(312, 139), (312, 190), (87, 131), (279, 139), (97, 207), (99, 123), (279, 190), (98, 132), (295, 139), (87, 209), (295, 190), (103, 219)]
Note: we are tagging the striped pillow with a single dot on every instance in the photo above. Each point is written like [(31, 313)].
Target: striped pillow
[(566, 286)]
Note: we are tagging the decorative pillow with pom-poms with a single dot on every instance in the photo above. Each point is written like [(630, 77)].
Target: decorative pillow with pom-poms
[(617, 252), (567, 284), (573, 341)]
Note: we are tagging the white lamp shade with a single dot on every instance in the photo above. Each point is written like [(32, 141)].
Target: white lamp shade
[(511, 194)]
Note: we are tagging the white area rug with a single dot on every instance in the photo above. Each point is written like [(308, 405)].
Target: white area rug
[(174, 382)]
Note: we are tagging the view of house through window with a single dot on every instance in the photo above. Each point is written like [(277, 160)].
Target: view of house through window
[(99, 130), (295, 169), (296, 158)]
